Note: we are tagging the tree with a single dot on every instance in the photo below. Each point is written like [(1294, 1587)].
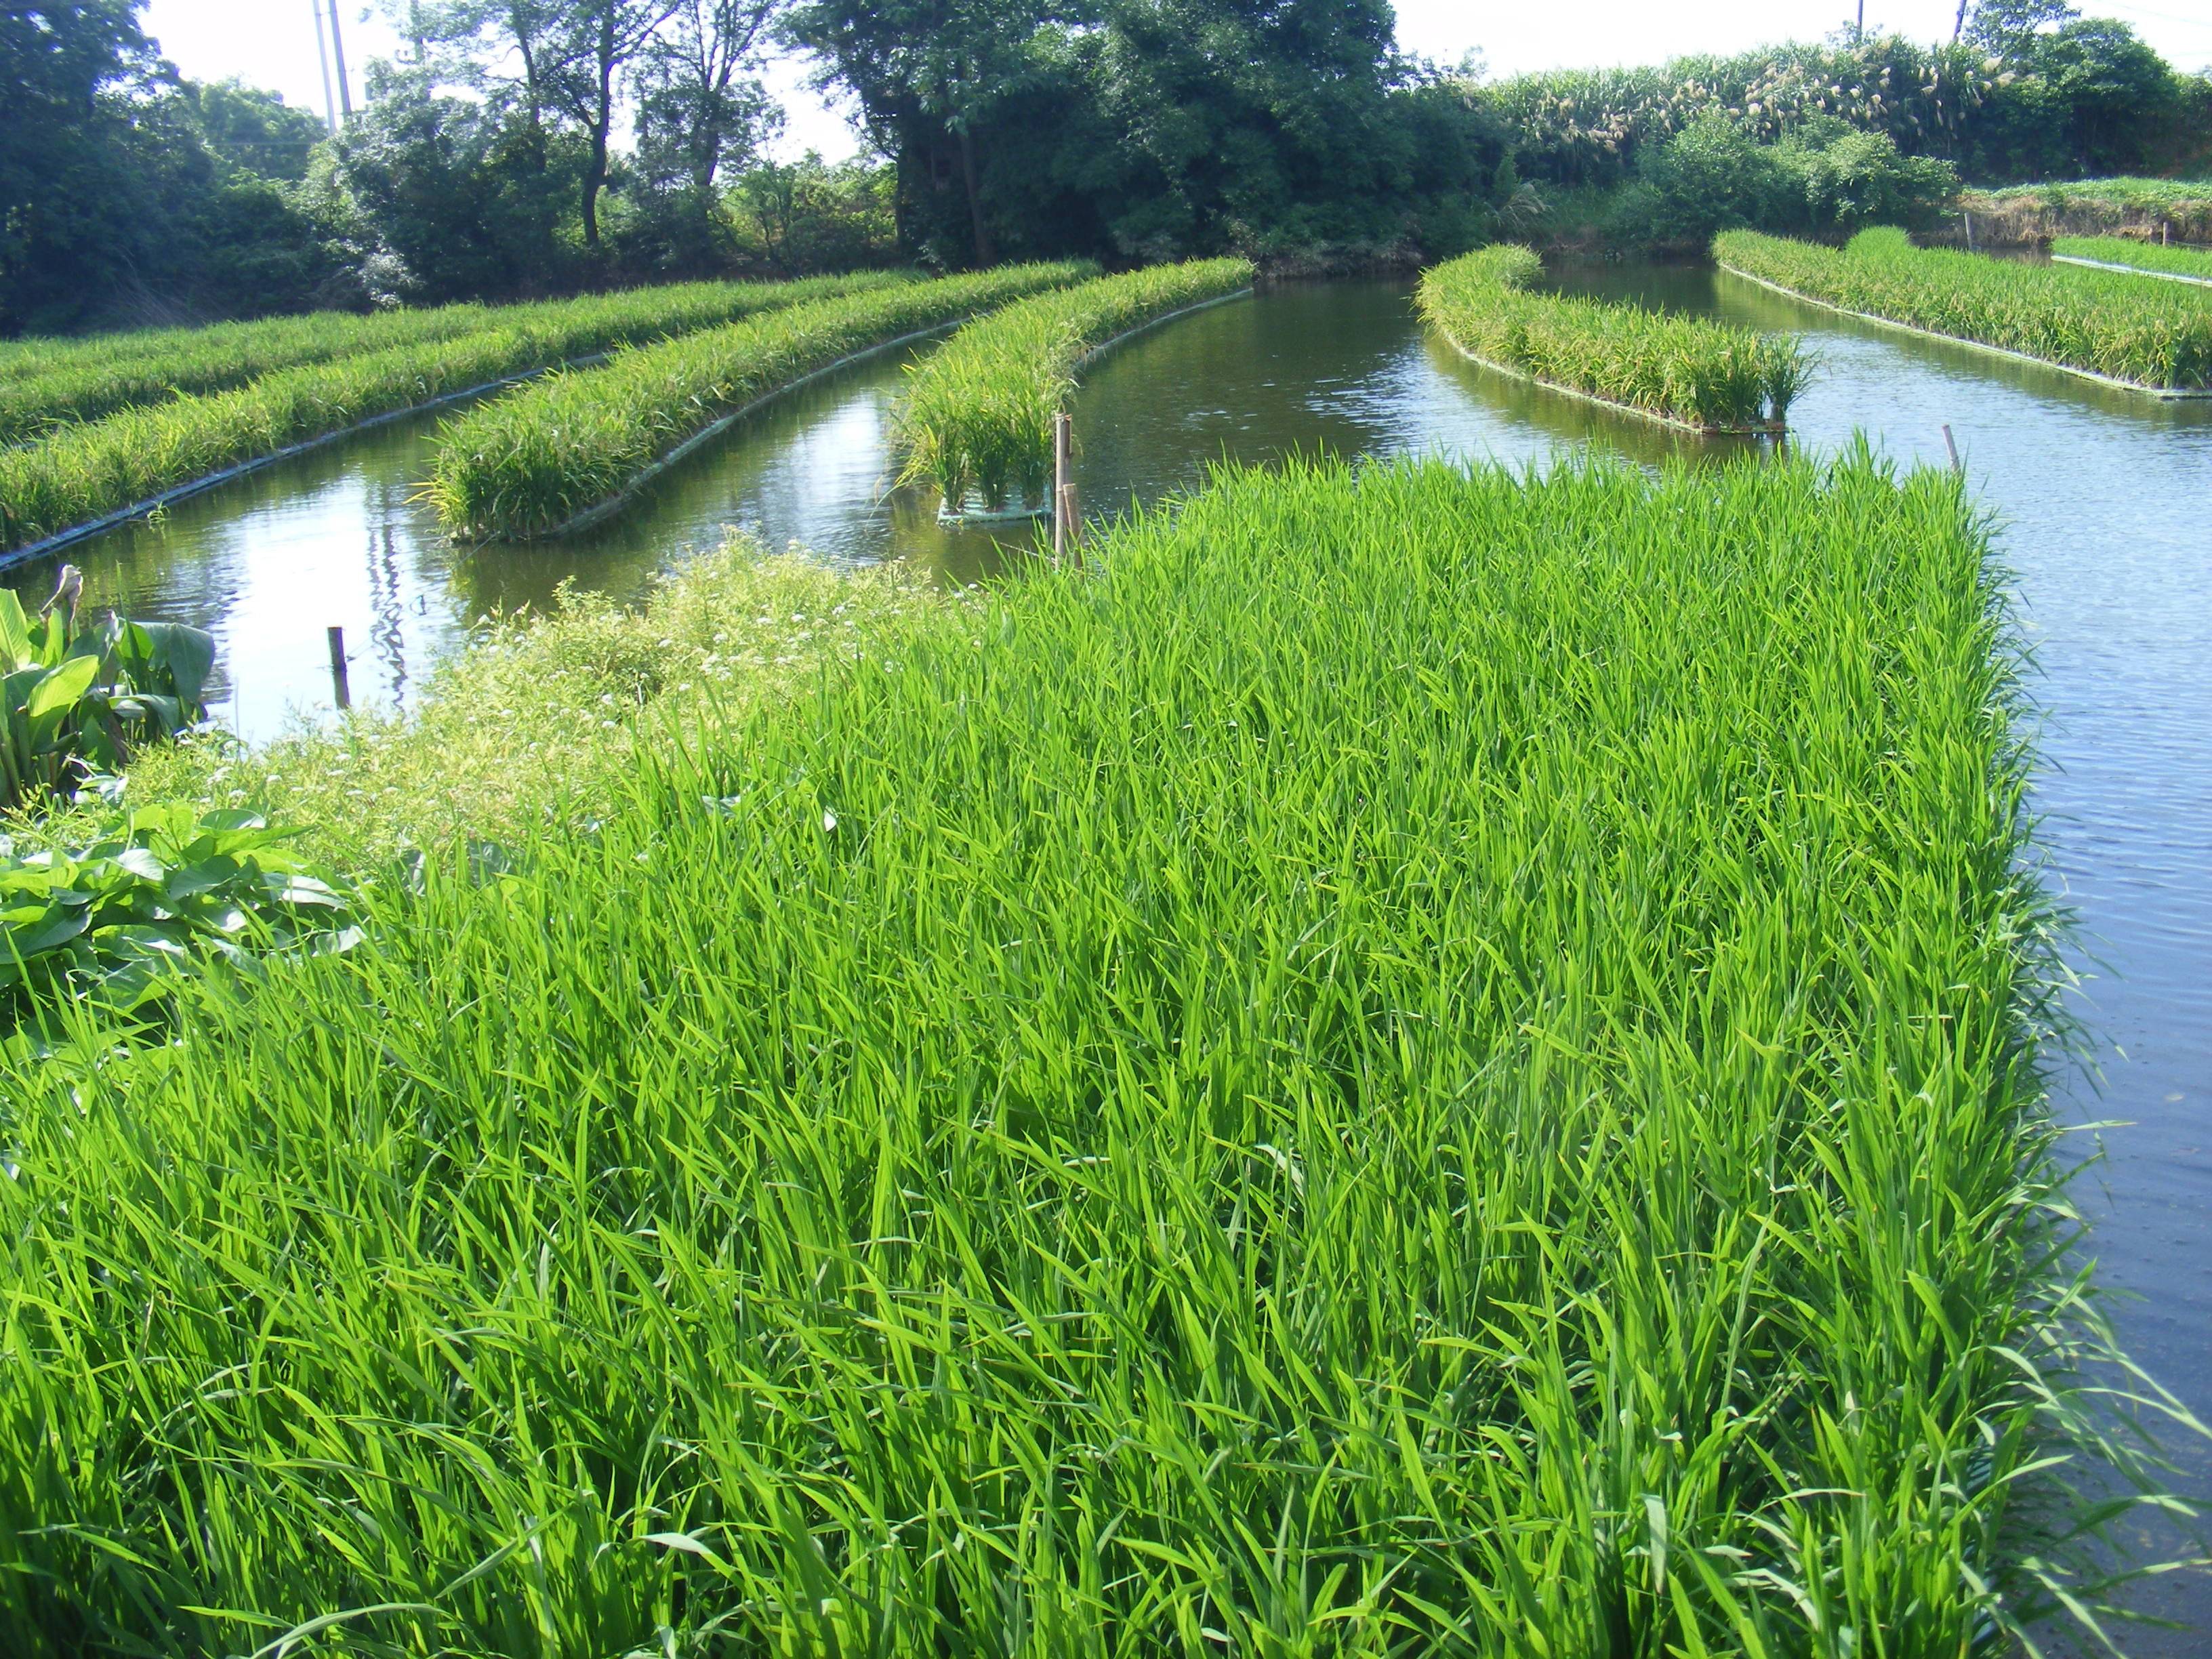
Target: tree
[(694, 111), (257, 131), (2007, 27)]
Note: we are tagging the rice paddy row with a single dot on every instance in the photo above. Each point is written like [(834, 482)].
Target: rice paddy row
[(1713, 377), (2150, 336), (977, 414), (78, 474), (185, 364), (1425, 1062), (2143, 256), (528, 463)]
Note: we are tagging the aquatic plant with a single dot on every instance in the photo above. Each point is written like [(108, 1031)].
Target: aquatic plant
[(2154, 335), (78, 473), (978, 414), (1425, 1062), (1716, 377), (527, 463), (2144, 256)]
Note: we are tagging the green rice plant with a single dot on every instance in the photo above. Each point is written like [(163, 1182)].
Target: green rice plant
[(1715, 377), (84, 381), (2154, 336), (978, 414), (1424, 1062), (2168, 261), (78, 473), (527, 463)]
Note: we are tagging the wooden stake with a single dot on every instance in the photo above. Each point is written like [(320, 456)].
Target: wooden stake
[(1950, 443), (1060, 485), (339, 688)]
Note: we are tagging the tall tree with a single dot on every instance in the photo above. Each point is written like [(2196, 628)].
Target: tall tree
[(696, 108)]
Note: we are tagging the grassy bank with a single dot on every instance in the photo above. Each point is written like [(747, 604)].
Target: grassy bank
[(527, 463), (80, 473), (1713, 376), (977, 415), (2026, 215), (2152, 335), (188, 363), (2143, 256), (1428, 1063)]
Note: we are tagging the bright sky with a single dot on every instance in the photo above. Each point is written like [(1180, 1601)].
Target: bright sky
[(272, 43)]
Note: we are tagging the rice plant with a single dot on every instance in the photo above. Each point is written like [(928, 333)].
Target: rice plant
[(2168, 261), (80, 473), (108, 374), (2156, 335), (1713, 376), (527, 463), (1427, 1062), (977, 414)]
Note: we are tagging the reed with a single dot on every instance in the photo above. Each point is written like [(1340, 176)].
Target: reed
[(2143, 256), (977, 415), (1424, 1062), (527, 463), (2155, 336), (1713, 376), (64, 387)]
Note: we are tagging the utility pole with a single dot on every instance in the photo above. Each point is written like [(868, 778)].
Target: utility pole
[(323, 61), (345, 92)]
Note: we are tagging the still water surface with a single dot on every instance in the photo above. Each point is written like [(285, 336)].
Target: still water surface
[(2099, 497)]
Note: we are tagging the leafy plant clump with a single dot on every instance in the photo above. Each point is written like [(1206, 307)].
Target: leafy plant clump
[(1426, 1061), (2170, 261), (977, 414), (526, 463), (2157, 336), (79, 472), (1713, 376)]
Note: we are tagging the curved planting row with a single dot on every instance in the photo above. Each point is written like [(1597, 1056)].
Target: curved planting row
[(978, 415), (80, 473), (1714, 377), (2151, 257), (188, 363), (530, 463), (2153, 337)]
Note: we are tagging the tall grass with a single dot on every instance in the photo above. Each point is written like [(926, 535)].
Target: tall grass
[(1429, 1063), (79, 473), (2144, 256), (86, 385), (1713, 376), (978, 414), (2152, 335), (527, 463)]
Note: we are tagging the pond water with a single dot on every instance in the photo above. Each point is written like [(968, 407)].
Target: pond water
[(2099, 496)]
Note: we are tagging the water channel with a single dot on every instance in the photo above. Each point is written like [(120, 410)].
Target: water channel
[(2099, 498)]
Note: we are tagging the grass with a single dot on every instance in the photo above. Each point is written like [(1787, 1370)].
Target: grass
[(2145, 256), (66, 386), (977, 415), (1713, 376), (79, 473), (527, 463), (1428, 1063), (2149, 335)]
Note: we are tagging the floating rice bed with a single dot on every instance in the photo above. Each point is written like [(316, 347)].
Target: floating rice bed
[(1428, 1062), (2120, 252), (975, 418), (2105, 326), (79, 477), (1710, 377), (186, 364), (559, 453)]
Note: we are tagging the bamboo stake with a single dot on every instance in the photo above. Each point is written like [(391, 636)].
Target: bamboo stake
[(339, 688), (1060, 536), (1950, 443)]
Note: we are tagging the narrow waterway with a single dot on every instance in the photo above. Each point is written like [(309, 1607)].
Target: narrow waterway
[(2099, 496)]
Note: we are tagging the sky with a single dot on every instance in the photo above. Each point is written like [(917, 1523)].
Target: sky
[(272, 43)]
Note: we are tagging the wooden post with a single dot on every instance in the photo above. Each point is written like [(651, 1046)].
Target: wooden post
[(1060, 485), (339, 688), (1968, 219), (1950, 443)]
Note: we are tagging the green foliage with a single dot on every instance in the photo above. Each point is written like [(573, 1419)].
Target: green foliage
[(2155, 335), (806, 216), (2088, 97), (977, 413), (1713, 376), (526, 463), (111, 927), (79, 472), (1421, 1044), (2144, 256)]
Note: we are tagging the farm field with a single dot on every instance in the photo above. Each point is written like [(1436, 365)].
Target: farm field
[(1262, 1232), (2108, 324), (2161, 260)]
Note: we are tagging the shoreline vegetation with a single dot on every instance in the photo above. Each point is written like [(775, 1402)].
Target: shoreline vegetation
[(2110, 326), (2151, 257), (1711, 377), (532, 463), (79, 474), (977, 414), (1110, 1049)]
